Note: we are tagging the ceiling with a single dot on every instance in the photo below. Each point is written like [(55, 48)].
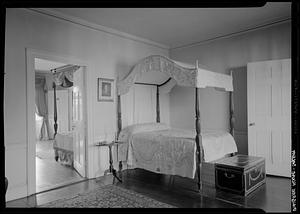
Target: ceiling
[(175, 27), (43, 65)]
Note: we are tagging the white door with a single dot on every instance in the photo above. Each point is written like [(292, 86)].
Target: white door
[(79, 121), (269, 114)]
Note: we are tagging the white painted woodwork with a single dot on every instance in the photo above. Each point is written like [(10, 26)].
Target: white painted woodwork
[(15, 170), (79, 119), (269, 114), (17, 189), (43, 65)]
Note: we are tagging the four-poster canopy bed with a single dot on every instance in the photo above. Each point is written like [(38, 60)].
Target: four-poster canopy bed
[(63, 142), (173, 73)]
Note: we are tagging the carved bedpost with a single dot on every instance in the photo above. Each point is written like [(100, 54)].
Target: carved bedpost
[(157, 105), (119, 130), (55, 111), (199, 152), (232, 119), (119, 115)]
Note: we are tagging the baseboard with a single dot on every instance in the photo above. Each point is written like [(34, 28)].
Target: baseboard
[(15, 170), (16, 192), (277, 176)]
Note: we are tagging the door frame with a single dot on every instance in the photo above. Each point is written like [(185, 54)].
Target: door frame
[(31, 54)]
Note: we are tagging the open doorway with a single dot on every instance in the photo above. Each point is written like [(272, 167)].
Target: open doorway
[(60, 114)]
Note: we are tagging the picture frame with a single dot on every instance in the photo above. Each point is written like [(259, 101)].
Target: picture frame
[(106, 90)]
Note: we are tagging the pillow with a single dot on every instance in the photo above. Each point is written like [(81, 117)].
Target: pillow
[(142, 127)]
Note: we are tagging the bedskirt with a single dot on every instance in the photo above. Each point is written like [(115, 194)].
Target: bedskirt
[(63, 148)]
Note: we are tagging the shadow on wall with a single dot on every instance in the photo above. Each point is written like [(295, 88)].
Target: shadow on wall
[(122, 69), (240, 108)]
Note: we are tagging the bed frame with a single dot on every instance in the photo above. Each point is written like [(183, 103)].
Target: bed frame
[(198, 139), (65, 68), (55, 86)]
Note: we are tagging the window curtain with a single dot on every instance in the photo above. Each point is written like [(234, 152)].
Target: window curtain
[(41, 105)]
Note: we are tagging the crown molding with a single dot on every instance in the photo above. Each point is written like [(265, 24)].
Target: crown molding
[(84, 23), (280, 20), (75, 20)]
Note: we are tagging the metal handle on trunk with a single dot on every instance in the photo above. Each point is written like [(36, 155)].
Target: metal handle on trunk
[(255, 178), (229, 176)]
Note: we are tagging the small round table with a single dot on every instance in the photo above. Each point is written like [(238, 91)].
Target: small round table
[(111, 167)]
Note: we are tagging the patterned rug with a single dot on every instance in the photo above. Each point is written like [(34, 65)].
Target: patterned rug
[(109, 196)]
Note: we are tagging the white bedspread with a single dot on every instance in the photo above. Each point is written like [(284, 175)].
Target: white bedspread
[(64, 141), (171, 151), (63, 148), (216, 144)]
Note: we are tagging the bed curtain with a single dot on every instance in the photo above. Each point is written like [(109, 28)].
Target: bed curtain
[(138, 105)]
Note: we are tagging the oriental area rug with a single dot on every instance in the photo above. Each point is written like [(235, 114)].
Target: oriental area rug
[(109, 196)]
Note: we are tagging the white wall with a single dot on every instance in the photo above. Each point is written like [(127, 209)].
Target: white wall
[(240, 108), (109, 55), (220, 55)]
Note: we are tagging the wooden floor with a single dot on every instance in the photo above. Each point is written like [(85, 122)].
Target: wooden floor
[(49, 173), (274, 196)]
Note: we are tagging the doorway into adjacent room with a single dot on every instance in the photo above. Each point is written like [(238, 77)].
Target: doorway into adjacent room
[(60, 115)]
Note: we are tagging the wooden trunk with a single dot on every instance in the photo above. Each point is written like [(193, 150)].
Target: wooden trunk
[(208, 171), (240, 174)]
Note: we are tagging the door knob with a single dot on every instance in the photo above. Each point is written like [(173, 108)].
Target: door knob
[(251, 124)]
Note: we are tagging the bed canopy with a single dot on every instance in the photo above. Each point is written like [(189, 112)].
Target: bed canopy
[(62, 79), (63, 76), (165, 73)]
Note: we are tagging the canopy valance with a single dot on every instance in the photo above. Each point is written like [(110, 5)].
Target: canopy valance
[(180, 73), (64, 77)]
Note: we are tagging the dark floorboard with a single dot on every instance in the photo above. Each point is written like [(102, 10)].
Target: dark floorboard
[(274, 196)]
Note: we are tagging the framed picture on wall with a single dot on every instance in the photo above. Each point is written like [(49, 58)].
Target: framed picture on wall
[(106, 90)]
